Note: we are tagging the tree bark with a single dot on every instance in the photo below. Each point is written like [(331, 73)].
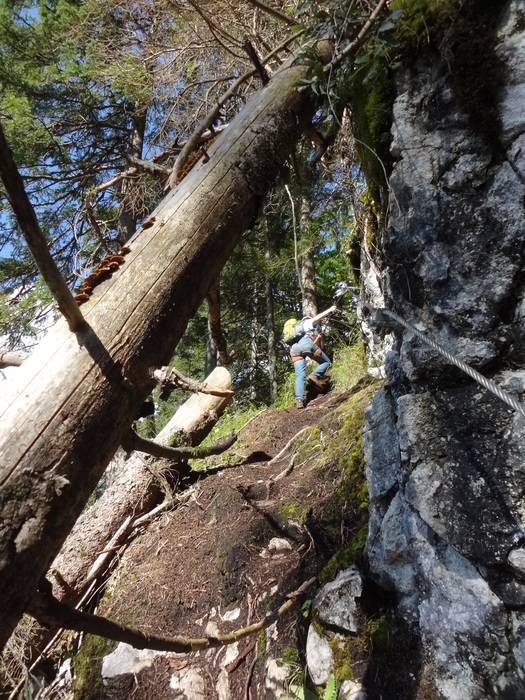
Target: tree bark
[(214, 323), (254, 348), (210, 359), (76, 396), (127, 219), (270, 324), (308, 284)]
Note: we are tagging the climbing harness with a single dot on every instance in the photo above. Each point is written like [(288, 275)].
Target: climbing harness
[(384, 317)]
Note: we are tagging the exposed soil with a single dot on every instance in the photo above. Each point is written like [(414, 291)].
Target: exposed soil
[(206, 567)]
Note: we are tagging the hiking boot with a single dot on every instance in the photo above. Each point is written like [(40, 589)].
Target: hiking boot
[(299, 403)]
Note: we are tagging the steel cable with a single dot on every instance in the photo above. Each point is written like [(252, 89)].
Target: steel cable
[(507, 398)]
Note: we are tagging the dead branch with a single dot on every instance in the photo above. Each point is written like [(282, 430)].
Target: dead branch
[(321, 143), (285, 472), (166, 503), (359, 40), (13, 358), (192, 142), (149, 166), (250, 420), (120, 539), (252, 53), (45, 608), (36, 242), (243, 654), (247, 691), (177, 146), (176, 454), (92, 219), (272, 12), (170, 378), (101, 562)]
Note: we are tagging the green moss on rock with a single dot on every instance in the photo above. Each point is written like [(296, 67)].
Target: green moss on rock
[(87, 663)]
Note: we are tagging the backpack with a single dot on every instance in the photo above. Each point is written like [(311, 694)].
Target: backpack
[(292, 331)]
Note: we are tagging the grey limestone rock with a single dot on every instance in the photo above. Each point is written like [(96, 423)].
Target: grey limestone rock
[(319, 657), (445, 458), (336, 601)]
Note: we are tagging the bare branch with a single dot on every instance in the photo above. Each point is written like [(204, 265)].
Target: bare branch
[(356, 44), (296, 250), (91, 218), (170, 377), (289, 444), (26, 217), (149, 166), (215, 30), (272, 12), (193, 141), (177, 454), (49, 611), (252, 53)]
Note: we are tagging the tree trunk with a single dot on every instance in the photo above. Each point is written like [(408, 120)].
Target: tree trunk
[(272, 351), (127, 219), (210, 359), (214, 324), (254, 349), (308, 284), (74, 399)]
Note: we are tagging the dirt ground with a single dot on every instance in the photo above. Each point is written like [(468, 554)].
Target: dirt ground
[(207, 567)]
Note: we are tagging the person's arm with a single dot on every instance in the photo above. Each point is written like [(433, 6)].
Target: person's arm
[(324, 313), (310, 323)]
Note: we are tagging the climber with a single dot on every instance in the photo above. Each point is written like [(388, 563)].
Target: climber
[(300, 336)]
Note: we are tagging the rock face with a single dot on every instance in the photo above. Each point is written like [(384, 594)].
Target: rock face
[(444, 457), (334, 608)]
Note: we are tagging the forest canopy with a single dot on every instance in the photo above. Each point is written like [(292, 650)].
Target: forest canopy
[(99, 99)]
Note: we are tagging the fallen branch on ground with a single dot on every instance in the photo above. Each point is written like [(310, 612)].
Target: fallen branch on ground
[(45, 608), (290, 442)]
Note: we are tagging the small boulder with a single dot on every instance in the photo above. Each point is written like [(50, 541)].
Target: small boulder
[(336, 601)]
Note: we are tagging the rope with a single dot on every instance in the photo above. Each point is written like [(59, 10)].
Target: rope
[(487, 383)]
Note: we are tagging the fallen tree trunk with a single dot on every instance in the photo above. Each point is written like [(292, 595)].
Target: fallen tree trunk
[(136, 491), (77, 395)]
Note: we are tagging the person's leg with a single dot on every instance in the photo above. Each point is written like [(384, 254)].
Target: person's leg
[(324, 364), (300, 376)]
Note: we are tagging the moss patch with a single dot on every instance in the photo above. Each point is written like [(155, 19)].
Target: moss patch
[(340, 519), (464, 36), (87, 664), (372, 103), (345, 557)]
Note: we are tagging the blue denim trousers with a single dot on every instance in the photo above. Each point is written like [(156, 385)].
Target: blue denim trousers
[(307, 348)]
